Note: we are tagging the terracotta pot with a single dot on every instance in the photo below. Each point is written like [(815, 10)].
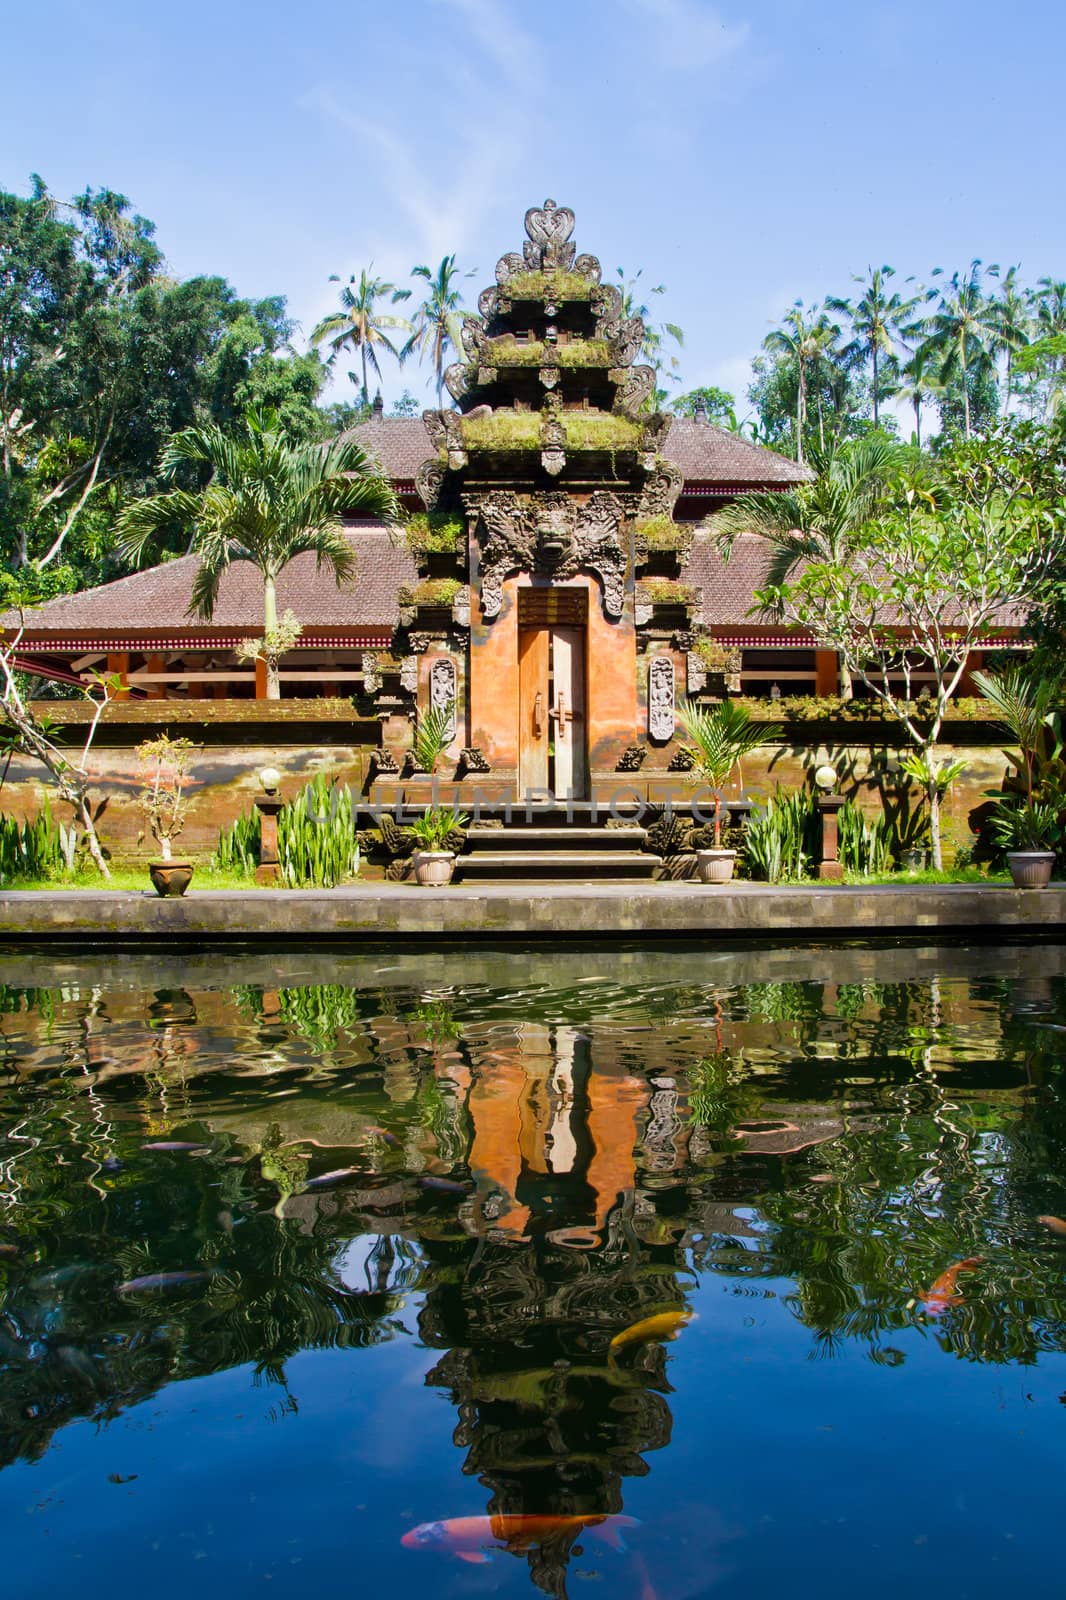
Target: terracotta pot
[(433, 867), (1031, 869), (170, 877), (715, 866)]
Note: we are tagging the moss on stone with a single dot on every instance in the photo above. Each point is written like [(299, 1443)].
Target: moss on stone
[(539, 285), (507, 352), (523, 430)]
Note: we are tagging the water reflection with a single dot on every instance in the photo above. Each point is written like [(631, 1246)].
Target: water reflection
[(202, 1175)]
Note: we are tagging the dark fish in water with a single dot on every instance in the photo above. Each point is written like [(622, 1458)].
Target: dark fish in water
[(8, 1250), (326, 1180), (174, 1144), (162, 1280), (1056, 1224), (446, 1185)]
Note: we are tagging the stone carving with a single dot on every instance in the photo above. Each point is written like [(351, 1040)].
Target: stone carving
[(472, 759), (383, 760), (409, 674), (548, 230), (553, 439), (683, 760), (551, 533), (428, 480), (589, 267), (445, 431), (419, 643), (662, 699), (508, 265), (661, 490), (486, 377), (461, 608), (549, 376), (473, 337), (372, 679), (653, 436), (632, 758), (695, 673), (457, 379), (643, 611), (607, 308), (488, 303), (634, 385), (625, 338), (442, 689)]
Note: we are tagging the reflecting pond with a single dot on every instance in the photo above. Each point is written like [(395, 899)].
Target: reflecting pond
[(674, 1271)]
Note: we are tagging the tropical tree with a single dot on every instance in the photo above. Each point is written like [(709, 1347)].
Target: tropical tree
[(961, 331), (805, 341), (813, 521), (359, 326), (267, 501), (438, 320), (710, 403), (879, 319), (655, 333), (1012, 325), (721, 738), (920, 384)]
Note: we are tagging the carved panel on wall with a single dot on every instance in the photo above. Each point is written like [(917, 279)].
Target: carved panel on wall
[(635, 384), (660, 492), (662, 699), (551, 534), (442, 689), (457, 379), (409, 674), (371, 676), (428, 480)]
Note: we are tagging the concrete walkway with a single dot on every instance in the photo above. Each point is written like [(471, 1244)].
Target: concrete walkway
[(591, 911)]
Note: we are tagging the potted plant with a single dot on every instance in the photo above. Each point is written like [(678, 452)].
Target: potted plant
[(1027, 827), (164, 773), (720, 739), (436, 830)]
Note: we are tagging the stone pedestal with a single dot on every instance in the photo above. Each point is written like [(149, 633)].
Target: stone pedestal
[(268, 806), (830, 869)]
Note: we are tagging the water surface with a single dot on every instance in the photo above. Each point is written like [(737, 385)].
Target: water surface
[(218, 1370)]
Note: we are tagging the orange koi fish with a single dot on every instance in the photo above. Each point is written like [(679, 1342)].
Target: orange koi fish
[(1056, 1224), (936, 1300), (666, 1325), (476, 1539)]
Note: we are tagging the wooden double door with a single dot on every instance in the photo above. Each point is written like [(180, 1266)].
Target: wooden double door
[(552, 693)]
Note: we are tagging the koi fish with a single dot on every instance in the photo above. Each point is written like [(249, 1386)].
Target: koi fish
[(173, 1144), (383, 1133), (475, 1539), (1056, 1224), (936, 1300), (666, 1325), (429, 1180), (162, 1280), (326, 1180)]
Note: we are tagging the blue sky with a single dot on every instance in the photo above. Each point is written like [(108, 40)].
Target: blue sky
[(745, 156)]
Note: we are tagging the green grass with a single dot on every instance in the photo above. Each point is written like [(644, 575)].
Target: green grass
[(134, 877), (521, 430), (506, 352), (538, 285), (948, 875)]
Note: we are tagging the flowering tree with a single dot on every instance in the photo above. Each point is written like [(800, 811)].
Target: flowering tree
[(952, 558)]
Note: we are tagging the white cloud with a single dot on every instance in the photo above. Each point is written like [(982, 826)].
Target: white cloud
[(689, 33)]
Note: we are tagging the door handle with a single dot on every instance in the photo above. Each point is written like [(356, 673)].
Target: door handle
[(538, 717), (562, 715)]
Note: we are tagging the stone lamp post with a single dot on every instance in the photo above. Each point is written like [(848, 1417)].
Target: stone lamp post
[(830, 869), (268, 804)]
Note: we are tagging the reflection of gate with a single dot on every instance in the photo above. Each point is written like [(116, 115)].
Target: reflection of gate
[(553, 726)]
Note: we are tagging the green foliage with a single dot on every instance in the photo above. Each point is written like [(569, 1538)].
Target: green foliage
[(864, 844), (32, 849), (660, 534), (434, 592), (666, 592), (523, 430), (780, 838), (318, 843), (434, 533), (539, 285), (722, 658), (1035, 819), (237, 849), (718, 405), (432, 736), (720, 740), (507, 352), (440, 828)]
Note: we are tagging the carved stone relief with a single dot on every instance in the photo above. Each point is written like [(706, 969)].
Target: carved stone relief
[(372, 679), (662, 699), (625, 338), (457, 379), (488, 303), (550, 533), (508, 265), (589, 267), (442, 689), (548, 229), (661, 490), (634, 385), (428, 480), (445, 431), (695, 673), (473, 337), (409, 674), (607, 306)]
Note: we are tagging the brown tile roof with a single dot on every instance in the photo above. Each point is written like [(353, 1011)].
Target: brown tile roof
[(728, 586), (158, 598), (706, 454)]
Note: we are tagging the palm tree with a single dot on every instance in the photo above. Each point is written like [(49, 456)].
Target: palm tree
[(921, 383), (1012, 324), (961, 330), (359, 325), (720, 740), (267, 501), (878, 320), (806, 340), (438, 320), (653, 347), (812, 522)]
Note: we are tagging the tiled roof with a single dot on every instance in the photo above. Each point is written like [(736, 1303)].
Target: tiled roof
[(728, 586), (158, 598), (706, 454)]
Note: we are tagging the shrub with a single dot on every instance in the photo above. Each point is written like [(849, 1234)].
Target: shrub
[(539, 285), (433, 533), (780, 840), (318, 844), (666, 592), (37, 849), (864, 844)]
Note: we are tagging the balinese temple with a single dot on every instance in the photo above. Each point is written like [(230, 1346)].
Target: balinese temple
[(556, 585)]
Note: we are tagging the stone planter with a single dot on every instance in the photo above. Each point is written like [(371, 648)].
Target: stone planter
[(433, 867), (1031, 869), (170, 878), (912, 860), (715, 866)]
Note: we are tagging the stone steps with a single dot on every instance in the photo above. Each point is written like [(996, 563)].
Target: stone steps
[(552, 854)]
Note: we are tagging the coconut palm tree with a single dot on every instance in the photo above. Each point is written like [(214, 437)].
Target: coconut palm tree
[(1012, 325), (921, 384), (359, 325), (812, 522), (267, 501), (879, 319), (961, 331), (438, 320), (806, 339)]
